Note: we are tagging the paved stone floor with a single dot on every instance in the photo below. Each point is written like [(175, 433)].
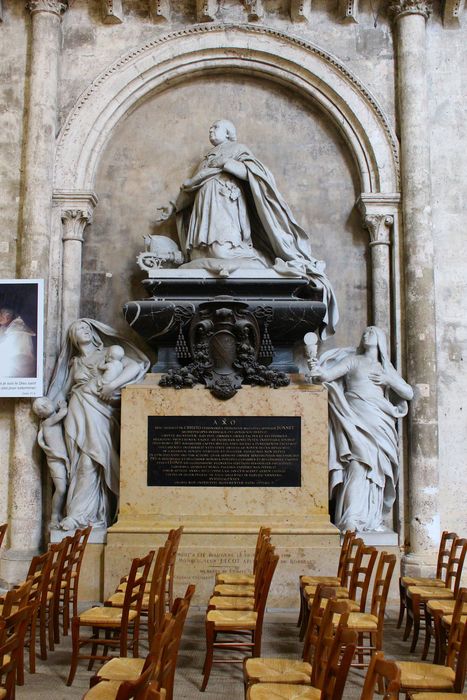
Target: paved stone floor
[(280, 639)]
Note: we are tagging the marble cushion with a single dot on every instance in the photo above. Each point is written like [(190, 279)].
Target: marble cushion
[(264, 670), (121, 669), (415, 674), (104, 616), (282, 691)]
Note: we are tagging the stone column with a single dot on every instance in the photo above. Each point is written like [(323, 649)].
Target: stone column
[(25, 476), (410, 17), (76, 209)]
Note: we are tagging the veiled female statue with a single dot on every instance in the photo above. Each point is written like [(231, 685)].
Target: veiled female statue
[(231, 210), (91, 427), (366, 396)]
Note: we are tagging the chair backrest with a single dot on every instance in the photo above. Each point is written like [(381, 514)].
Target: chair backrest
[(388, 671), (322, 594), (381, 584), (3, 529), (60, 552), (456, 656), (156, 606), (17, 598), (353, 553), (361, 575), (12, 633), (39, 572), (264, 537), (349, 536), (260, 553), (174, 538), (137, 688), (456, 564), (335, 614), (338, 664), (80, 540), (134, 590), (171, 648), (153, 692), (445, 544), (263, 584)]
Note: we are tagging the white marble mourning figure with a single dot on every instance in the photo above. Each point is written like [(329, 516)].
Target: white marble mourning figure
[(90, 380), (366, 396), (230, 216)]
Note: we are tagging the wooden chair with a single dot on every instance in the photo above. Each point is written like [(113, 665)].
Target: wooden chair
[(239, 596), (47, 612), (165, 644), (417, 596), (370, 625), (439, 580), (233, 578), (61, 578), (12, 633), (115, 623), (357, 591), (420, 676), (174, 538), (69, 584), (333, 680), (306, 671), (3, 529), (341, 579), (153, 605), (384, 674), (125, 689), (435, 610), (238, 623)]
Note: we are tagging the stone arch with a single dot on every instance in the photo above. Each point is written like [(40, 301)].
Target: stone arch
[(316, 74)]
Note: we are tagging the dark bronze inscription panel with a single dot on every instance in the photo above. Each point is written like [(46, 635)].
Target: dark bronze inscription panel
[(224, 451)]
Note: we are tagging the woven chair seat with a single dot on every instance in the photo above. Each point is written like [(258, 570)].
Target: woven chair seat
[(121, 669), (241, 591), (430, 593), (447, 619), (315, 580), (235, 578), (117, 600), (2, 693), (224, 602), (415, 674), (422, 581), (264, 670), (282, 691), (245, 619), (104, 616), (341, 591), (362, 621), (105, 690), (438, 696), (121, 588)]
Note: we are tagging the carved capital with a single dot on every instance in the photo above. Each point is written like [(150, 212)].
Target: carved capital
[(74, 222), (55, 7), (411, 7), (379, 227)]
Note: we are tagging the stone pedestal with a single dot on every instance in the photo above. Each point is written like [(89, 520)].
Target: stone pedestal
[(221, 523)]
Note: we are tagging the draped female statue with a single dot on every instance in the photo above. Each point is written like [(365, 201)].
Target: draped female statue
[(91, 427), (232, 210), (366, 396)]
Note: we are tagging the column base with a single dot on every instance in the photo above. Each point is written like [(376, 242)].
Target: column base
[(14, 565), (418, 564)]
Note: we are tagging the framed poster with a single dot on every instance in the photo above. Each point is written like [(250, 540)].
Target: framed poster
[(21, 337)]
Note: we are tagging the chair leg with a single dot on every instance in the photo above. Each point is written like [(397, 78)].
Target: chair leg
[(416, 625), (256, 643), (32, 644), (402, 604), (428, 631), (50, 625), (409, 620), (75, 649), (300, 612), (66, 612), (305, 618), (43, 632), (210, 638)]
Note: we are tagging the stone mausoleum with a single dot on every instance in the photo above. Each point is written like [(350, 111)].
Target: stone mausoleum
[(358, 109)]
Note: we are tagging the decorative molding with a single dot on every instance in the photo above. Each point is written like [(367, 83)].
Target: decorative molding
[(300, 10), (159, 10), (206, 10), (451, 12), (318, 75), (76, 210), (348, 10), (112, 11), (411, 7), (55, 7)]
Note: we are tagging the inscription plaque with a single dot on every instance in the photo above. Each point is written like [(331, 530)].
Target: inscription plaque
[(224, 451)]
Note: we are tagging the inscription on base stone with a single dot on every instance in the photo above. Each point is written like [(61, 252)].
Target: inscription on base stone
[(224, 451)]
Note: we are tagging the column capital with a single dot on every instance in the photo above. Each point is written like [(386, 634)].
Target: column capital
[(410, 7), (378, 215), (55, 7), (76, 210), (379, 227)]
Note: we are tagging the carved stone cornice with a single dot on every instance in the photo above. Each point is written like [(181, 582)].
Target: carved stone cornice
[(54, 7), (410, 7), (379, 227)]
